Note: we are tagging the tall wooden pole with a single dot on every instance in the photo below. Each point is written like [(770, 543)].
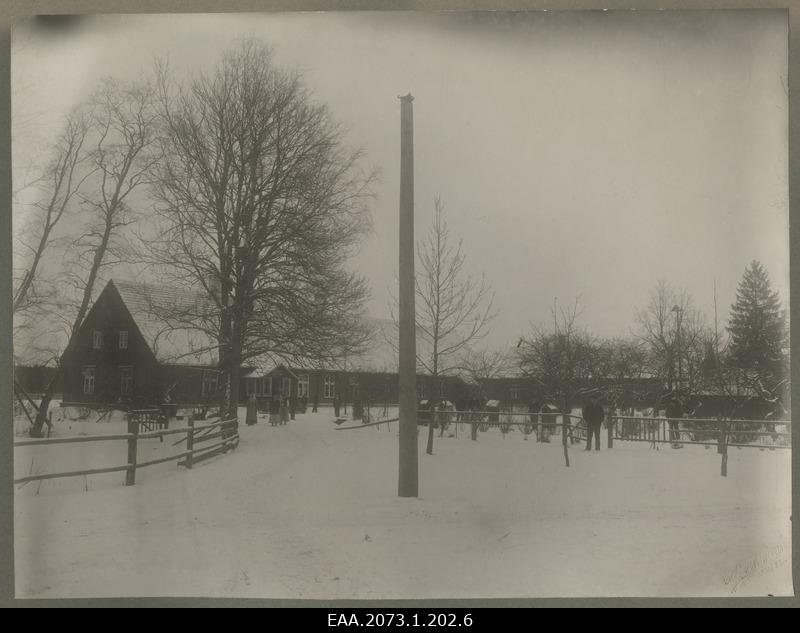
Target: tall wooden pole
[(408, 472)]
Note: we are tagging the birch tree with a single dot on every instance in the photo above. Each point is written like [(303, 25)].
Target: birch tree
[(54, 192), (120, 140)]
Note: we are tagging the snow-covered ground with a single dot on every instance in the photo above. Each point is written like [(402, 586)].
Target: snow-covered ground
[(306, 511)]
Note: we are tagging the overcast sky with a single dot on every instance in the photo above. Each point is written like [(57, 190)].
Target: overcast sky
[(577, 154)]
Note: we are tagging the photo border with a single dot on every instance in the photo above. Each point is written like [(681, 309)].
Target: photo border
[(12, 9)]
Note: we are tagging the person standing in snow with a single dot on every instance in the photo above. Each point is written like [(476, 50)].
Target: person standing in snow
[(284, 410), (593, 414), (674, 412), (274, 411)]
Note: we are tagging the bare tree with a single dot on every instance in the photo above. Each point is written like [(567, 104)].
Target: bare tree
[(55, 187), (122, 134), (674, 332), (560, 360), (481, 365), (260, 205), (621, 359), (454, 310)]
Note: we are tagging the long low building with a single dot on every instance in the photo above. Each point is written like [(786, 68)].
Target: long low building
[(144, 345)]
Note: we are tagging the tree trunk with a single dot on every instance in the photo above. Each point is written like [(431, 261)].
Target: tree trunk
[(234, 361), (47, 397), (431, 424), (44, 405)]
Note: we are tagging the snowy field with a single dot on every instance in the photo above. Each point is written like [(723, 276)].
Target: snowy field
[(306, 511)]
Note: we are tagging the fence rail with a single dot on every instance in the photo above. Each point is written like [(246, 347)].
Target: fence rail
[(703, 431), (721, 433), (227, 429)]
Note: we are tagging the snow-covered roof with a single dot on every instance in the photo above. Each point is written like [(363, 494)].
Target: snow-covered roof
[(171, 321)]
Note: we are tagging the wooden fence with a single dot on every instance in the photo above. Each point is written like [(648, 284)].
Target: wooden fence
[(225, 431), (721, 433)]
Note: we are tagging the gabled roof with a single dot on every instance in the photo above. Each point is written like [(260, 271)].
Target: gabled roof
[(174, 322)]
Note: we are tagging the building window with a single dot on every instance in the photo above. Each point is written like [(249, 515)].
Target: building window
[(250, 386), (126, 380), (123, 339), (420, 390), (286, 387), (97, 339), (514, 392), (443, 389), (330, 387), (209, 383), (88, 380), (262, 386), (302, 386)]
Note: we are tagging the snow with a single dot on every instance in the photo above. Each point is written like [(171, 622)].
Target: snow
[(306, 511)]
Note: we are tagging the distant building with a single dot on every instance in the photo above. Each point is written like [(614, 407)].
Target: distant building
[(134, 350), (145, 345), (369, 377)]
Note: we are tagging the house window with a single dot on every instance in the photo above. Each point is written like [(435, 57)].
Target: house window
[(250, 386), (97, 339), (514, 392), (126, 380), (123, 339), (420, 390), (302, 386), (442, 389), (330, 387), (263, 386), (88, 380), (286, 387), (209, 383)]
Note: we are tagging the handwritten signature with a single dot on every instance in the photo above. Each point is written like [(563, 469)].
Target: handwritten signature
[(767, 561)]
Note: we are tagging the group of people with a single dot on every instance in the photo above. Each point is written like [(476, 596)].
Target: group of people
[(593, 414), (280, 409)]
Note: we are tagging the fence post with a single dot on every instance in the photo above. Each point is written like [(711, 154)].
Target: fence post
[(610, 429), (474, 425), (565, 421), (133, 428), (190, 443)]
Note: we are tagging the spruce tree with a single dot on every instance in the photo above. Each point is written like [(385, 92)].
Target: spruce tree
[(757, 324)]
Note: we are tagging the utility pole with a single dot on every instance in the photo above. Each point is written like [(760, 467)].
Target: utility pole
[(408, 476)]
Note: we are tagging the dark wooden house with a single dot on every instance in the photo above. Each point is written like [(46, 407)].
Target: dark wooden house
[(134, 349)]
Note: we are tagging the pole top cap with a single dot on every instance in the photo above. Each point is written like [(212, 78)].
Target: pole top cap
[(407, 97)]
